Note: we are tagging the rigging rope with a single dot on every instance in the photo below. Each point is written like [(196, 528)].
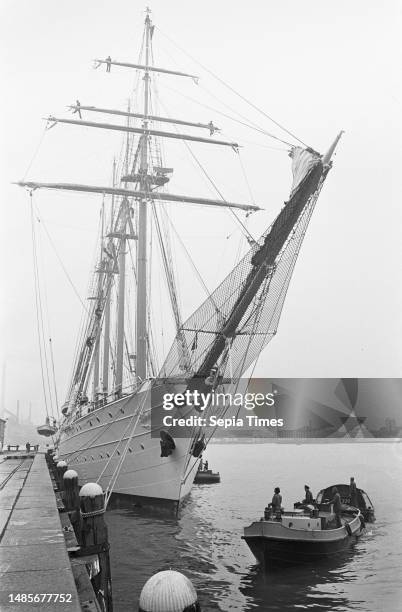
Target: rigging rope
[(246, 180), (249, 125), (233, 90), (197, 272), (59, 258), (37, 305), (211, 181), (247, 122), (35, 153), (54, 379)]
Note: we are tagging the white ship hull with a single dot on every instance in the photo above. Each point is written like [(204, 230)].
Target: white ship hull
[(90, 445)]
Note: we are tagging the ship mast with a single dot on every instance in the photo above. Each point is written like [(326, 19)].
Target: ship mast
[(106, 327), (124, 212), (141, 313), (147, 179)]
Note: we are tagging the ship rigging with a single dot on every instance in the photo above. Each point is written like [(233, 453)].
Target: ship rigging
[(106, 433)]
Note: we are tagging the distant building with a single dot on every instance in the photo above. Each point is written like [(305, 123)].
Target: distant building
[(2, 431)]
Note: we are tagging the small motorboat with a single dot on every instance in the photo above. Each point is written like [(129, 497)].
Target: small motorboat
[(304, 534), (206, 476), (364, 503)]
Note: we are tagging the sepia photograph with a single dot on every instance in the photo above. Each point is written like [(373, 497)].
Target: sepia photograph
[(201, 306)]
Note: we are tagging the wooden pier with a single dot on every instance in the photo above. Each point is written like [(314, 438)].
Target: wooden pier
[(34, 562)]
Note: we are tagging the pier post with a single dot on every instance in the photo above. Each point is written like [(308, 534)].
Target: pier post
[(71, 498), (61, 469), (94, 540)]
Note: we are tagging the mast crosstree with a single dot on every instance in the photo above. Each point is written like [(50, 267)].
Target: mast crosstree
[(144, 130), (110, 111)]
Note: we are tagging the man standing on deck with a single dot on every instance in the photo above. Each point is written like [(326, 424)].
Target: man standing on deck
[(277, 501), (353, 493), (336, 501)]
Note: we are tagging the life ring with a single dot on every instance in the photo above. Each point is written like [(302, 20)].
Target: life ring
[(348, 529)]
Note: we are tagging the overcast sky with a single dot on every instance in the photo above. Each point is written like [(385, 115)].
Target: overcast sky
[(315, 66)]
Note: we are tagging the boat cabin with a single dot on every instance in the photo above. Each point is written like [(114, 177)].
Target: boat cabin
[(364, 503)]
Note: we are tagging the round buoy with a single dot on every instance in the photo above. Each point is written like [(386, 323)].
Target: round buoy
[(61, 464), (70, 474), (91, 489), (169, 591)]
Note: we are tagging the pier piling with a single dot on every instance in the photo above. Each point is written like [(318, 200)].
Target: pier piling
[(94, 540), (71, 498), (61, 469)]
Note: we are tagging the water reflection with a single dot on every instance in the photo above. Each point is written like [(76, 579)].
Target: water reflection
[(312, 586)]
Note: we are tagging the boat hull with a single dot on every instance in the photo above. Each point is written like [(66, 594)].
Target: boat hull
[(94, 445), (273, 544), (207, 477), (271, 552)]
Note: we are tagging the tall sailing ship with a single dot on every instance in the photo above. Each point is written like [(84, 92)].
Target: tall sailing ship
[(106, 432)]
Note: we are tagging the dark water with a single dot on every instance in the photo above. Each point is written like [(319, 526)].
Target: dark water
[(205, 544)]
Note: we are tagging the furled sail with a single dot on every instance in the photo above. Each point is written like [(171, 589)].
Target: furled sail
[(303, 161), (241, 316)]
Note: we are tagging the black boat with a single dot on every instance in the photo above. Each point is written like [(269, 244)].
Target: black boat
[(206, 476), (304, 534)]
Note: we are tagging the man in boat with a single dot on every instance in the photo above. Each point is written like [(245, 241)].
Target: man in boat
[(206, 466), (309, 496), (353, 493), (337, 504), (108, 63), (277, 501)]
